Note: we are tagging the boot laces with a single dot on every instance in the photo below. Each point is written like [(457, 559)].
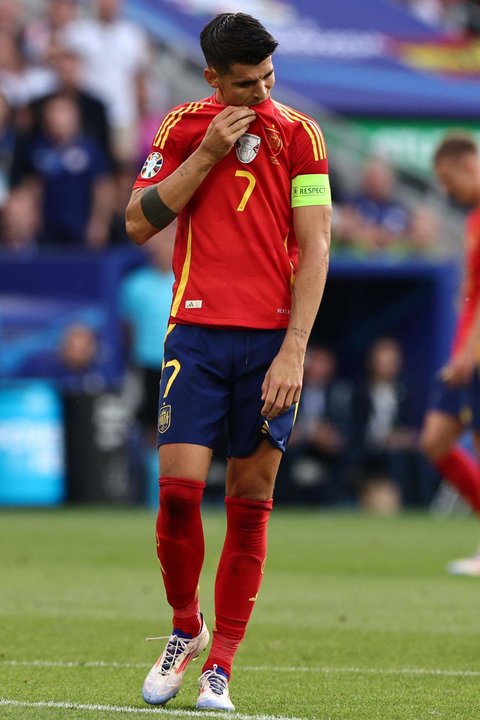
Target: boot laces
[(175, 647), (215, 681)]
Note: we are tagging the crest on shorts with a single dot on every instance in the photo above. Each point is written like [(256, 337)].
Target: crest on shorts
[(152, 165), (164, 418), (275, 142), (247, 147)]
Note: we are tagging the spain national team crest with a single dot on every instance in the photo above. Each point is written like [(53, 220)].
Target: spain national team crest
[(275, 142), (164, 418), (152, 165), (247, 147)]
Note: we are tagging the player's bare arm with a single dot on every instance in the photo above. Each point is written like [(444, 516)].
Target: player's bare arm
[(152, 209), (283, 381)]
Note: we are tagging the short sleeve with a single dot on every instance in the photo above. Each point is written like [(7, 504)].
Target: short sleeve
[(308, 150), (169, 149)]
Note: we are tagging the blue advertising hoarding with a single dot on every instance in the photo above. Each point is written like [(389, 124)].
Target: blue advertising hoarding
[(352, 57), (31, 444)]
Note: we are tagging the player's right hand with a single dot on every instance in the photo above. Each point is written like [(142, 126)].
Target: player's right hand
[(224, 131)]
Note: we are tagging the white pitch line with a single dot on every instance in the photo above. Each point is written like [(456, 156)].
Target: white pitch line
[(254, 668), (362, 671), (135, 711), (73, 664)]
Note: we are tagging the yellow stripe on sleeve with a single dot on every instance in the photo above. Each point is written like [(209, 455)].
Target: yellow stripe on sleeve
[(166, 120), (172, 121), (313, 124), (310, 127), (192, 108)]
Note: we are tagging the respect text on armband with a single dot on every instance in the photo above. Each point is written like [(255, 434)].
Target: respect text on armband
[(311, 190)]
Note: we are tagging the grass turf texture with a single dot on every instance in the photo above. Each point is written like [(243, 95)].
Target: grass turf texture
[(356, 618)]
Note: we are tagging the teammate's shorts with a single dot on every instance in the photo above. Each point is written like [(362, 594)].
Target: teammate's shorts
[(211, 381), (461, 402)]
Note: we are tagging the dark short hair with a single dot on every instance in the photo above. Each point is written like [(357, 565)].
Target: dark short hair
[(235, 38), (454, 145)]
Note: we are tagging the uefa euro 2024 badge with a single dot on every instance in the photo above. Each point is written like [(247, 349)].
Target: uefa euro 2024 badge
[(247, 147), (152, 165)]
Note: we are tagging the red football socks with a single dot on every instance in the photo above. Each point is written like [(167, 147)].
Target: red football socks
[(460, 468), (181, 549), (239, 576)]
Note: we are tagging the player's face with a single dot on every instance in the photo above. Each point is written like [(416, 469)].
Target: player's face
[(458, 177), (243, 84)]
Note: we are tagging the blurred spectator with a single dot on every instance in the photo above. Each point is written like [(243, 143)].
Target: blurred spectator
[(68, 173), (423, 233), (116, 59), (373, 219), (20, 222), (316, 454), (74, 365), (18, 82), (67, 66), (382, 438), (7, 145), (43, 34), (78, 368)]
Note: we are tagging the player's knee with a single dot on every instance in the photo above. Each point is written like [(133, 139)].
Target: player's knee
[(432, 445), (259, 487), (177, 501)]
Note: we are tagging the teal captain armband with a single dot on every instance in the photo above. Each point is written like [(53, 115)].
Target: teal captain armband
[(311, 190)]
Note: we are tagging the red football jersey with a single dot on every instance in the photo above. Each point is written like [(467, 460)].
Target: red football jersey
[(235, 251), (471, 287)]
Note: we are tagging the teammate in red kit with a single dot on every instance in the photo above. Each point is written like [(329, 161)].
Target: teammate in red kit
[(456, 394), (247, 178)]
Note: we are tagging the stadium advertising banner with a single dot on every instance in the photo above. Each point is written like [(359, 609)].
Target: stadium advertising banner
[(354, 58), (31, 444), (408, 143)]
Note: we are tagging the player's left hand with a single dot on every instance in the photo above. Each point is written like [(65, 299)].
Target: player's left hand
[(460, 368), (283, 383)]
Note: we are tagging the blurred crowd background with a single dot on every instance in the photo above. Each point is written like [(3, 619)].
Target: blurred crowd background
[(84, 84)]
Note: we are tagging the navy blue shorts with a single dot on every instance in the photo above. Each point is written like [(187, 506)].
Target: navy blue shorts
[(212, 381), (462, 402)]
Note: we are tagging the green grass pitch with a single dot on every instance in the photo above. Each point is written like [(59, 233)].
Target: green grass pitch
[(356, 619)]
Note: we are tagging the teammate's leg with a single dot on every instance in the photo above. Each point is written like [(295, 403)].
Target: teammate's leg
[(439, 437), (250, 483)]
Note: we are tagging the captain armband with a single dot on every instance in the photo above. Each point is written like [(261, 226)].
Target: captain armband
[(311, 190), (155, 210)]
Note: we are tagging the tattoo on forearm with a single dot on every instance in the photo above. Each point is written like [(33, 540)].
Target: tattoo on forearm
[(155, 210), (299, 332)]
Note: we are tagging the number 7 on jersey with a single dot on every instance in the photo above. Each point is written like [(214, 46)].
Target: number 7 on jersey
[(251, 184)]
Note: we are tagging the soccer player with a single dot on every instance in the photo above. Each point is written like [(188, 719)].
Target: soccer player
[(456, 394), (247, 178)]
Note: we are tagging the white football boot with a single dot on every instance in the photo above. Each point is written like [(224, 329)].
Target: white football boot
[(213, 693), (165, 678), (465, 566)]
